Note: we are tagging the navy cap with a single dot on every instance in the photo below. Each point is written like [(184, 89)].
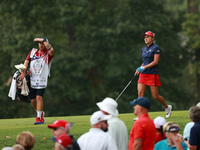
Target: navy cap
[(45, 39), (142, 101), (171, 126)]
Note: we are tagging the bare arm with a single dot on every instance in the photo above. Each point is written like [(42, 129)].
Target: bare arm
[(49, 48), (47, 45), (191, 147), (153, 63), (137, 144), (23, 74)]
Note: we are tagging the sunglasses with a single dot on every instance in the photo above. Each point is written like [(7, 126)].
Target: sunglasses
[(57, 128), (105, 121), (54, 129)]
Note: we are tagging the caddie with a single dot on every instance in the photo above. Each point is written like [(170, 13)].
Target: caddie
[(39, 61)]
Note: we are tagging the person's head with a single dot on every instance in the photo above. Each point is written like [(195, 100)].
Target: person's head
[(99, 120), (60, 127), (141, 105), (26, 139), (148, 37), (194, 113), (171, 129), (63, 142), (108, 106), (159, 122), (18, 147), (41, 45), (198, 104)]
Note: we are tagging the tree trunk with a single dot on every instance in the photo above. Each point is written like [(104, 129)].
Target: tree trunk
[(71, 35), (192, 6)]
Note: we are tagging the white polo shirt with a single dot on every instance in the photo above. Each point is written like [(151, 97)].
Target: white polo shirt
[(96, 139)]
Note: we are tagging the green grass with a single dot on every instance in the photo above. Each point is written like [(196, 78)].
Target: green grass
[(12, 127)]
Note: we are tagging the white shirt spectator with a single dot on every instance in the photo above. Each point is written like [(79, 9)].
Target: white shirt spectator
[(186, 132), (96, 139), (117, 129)]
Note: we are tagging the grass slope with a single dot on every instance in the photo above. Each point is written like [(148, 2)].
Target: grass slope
[(12, 127)]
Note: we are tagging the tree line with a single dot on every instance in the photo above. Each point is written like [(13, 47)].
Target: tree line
[(97, 49)]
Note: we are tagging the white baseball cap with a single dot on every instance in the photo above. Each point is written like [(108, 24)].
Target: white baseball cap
[(97, 117), (109, 105), (159, 121)]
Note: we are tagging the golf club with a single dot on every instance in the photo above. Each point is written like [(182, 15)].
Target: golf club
[(125, 87)]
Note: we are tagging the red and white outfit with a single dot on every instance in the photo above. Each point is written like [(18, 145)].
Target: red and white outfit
[(40, 64)]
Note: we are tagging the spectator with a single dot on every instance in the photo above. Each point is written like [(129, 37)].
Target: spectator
[(186, 132), (63, 142), (63, 127), (26, 139), (174, 140), (159, 122), (116, 127), (97, 138), (189, 125), (194, 142), (143, 132), (18, 147)]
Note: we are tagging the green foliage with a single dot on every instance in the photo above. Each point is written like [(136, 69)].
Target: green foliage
[(192, 29), (97, 49)]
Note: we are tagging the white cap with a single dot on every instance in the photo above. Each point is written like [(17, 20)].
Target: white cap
[(109, 105), (159, 121), (97, 117), (198, 104)]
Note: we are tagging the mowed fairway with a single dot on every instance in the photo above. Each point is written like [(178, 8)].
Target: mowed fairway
[(10, 128)]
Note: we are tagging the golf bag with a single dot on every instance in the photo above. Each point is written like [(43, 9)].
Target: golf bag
[(20, 97)]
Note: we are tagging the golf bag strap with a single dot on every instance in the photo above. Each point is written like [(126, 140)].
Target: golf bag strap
[(33, 51)]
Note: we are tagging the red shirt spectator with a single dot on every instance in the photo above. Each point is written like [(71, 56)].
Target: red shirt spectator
[(143, 132)]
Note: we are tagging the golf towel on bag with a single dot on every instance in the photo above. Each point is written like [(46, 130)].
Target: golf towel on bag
[(18, 84)]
